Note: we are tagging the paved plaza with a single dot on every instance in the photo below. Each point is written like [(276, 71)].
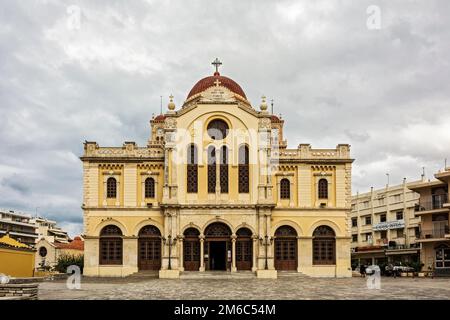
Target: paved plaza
[(226, 289)]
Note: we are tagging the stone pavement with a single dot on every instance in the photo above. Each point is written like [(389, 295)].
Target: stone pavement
[(282, 288)]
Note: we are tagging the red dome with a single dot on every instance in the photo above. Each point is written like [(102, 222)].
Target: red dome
[(274, 118), (210, 81), (160, 117)]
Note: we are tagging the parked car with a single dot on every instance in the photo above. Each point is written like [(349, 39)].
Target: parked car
[(395, 271)]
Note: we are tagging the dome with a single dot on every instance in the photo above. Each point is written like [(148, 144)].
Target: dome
[(211, 81), (274, 118), (160, 117)]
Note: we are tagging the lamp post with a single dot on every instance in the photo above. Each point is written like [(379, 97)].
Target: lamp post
[(170, 242), (266, 242)]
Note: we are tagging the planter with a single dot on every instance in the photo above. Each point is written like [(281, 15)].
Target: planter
[(410, 274), (421, 274), (404, 274)]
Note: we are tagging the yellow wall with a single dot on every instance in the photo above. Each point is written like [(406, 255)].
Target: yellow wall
[(16, 263), (303, 166)]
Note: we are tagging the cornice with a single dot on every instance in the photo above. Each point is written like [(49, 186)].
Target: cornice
[(123, 159)]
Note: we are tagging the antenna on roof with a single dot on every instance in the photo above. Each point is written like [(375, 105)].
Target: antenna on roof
[(445, 164), (271, 104), (423, 173), (160, 107)]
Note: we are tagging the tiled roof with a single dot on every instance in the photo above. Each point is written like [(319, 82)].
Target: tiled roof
[(210, 81), (7, 241), (76, 244)]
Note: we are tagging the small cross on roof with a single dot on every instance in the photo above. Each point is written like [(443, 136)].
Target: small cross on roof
[(216, 63)]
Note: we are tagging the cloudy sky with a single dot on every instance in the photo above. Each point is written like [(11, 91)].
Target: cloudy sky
[(76, 70)]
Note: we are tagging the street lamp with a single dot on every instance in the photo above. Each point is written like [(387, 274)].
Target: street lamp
[(170, 242), (266, 242)]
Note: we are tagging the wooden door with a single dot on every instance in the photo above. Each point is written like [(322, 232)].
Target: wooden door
[(244, 253), (191, 254), (149, 254), (286, 254)]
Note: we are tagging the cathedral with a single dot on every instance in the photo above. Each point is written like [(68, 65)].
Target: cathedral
[(216, 188)]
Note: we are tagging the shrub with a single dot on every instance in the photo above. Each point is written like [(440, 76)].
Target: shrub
[(66, 260), (416, 265)]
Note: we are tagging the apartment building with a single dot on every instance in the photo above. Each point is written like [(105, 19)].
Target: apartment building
[(19, 226), (434, 236), (48, 230), (384, 226)]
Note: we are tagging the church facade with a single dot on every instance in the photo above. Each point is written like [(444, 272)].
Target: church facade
[(216, 188)]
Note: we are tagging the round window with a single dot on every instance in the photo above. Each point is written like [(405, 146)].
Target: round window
[(42, 251), (218, 129)]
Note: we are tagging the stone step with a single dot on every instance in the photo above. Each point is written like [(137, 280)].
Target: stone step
[(145, 274), (217, 275), (293, 274)]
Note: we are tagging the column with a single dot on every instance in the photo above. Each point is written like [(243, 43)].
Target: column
[(105, 203), (299, 254), (202, 253), (278, 193), (233, 253), (142, 191), (291, 193), (118, 192), (156, 190), (181, 253), (254, 252)]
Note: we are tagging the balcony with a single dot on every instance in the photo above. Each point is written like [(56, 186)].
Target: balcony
[(436, 233), (435, 201)]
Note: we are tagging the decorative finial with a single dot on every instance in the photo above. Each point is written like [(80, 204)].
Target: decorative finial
[(171, 105), (263, 105), (216, 63)]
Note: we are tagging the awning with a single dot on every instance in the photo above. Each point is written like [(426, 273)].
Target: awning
[(402, 251)]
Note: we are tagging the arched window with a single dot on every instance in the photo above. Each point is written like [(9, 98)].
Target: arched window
[(243, 169), (192, 169), (323, 189), (211, 169), (217, 129), (324, 246), (111, 245), (224, 169), (111, 188), (285, 189), (149, 188)]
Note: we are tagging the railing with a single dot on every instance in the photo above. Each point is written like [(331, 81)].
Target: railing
[(404, 246), (436, 201), (435, 233)]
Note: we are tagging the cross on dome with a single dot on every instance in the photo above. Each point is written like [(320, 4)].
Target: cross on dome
[(217, 82), (216, 63)]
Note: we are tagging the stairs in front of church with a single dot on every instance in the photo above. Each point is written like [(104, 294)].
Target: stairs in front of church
[(291, 274), (144, 275), (217, 275)]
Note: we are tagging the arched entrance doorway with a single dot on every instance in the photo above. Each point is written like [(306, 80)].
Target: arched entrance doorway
[(285, 248), (217, 247), (149, 245), (191, 250), (244, 249)]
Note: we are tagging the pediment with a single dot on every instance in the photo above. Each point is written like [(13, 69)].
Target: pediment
[(217, 94)]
